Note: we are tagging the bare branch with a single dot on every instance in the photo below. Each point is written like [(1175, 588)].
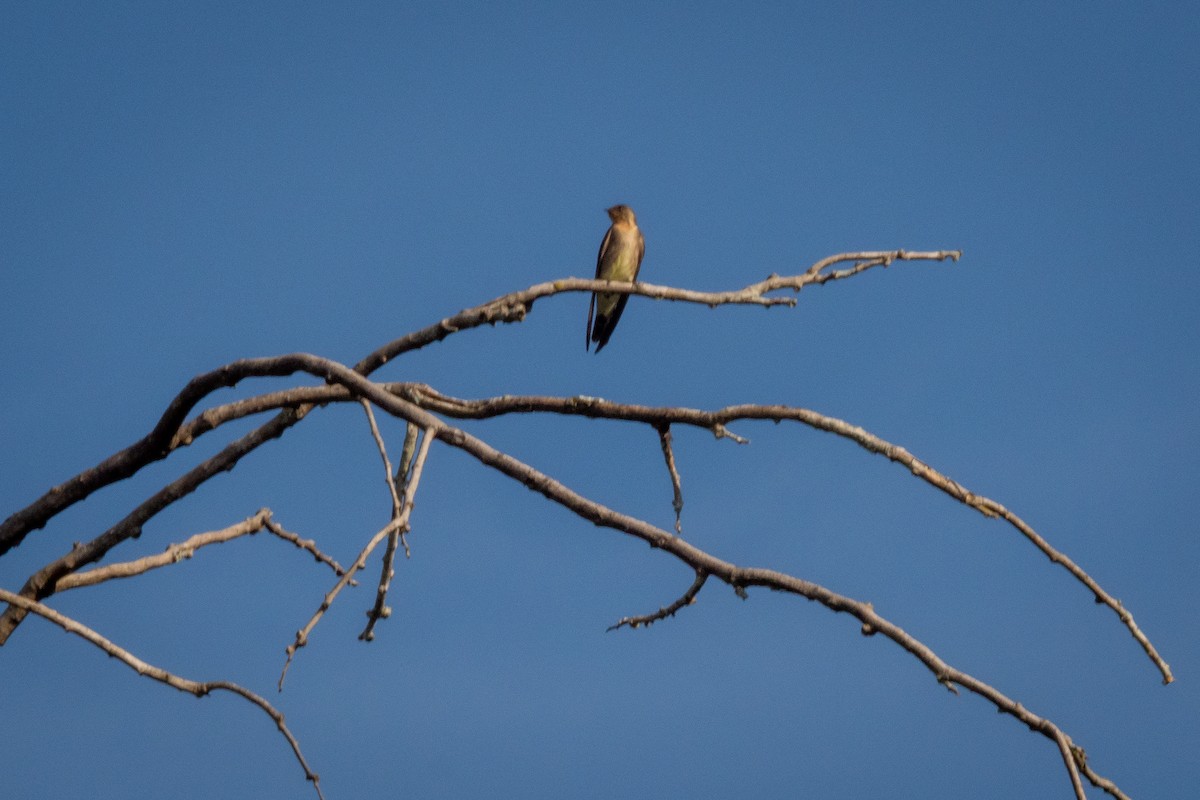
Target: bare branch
[(1096, 780), (40, 584), (664, 439), (155, 446), (395, 524), (387, 464), (704, 564), (412, 403), (306, 544), (511, 307), (1064, 748), (411, 432), (686, 599), (514, 306), (197, 688), (387, 571), (658, 416), (184, 550), (740, 578)]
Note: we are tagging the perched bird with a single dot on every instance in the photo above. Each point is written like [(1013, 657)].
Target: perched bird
[(620, 259)]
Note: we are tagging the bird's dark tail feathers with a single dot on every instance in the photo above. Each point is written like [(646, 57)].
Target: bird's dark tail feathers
[(601, 330)]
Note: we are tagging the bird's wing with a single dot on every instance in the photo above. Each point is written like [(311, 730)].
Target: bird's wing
[(604, 245), (641, 252), (600, 257), (587, 335)]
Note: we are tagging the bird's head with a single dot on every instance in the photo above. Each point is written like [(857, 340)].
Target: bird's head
[(622, 214)]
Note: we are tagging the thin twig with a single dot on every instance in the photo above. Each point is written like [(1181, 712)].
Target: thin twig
[(186, 549), (411, 433), (1064, 748), (380, 608), (686, 599), (664, 439), (396, 523), (407, 452), (387, 464), (197, 688), (306, 544)]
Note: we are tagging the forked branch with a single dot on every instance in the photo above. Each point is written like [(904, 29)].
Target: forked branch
[(397, 523), (395, 537), (716, 421), (417, 406), (186, 549), (512, 307)]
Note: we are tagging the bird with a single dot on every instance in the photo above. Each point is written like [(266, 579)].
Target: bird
[(620, 259)]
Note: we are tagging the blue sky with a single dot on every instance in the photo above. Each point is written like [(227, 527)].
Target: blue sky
[(184, 185)]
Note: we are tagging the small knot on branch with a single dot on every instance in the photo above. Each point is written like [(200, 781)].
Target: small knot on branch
[(944, 680), (721, 432), (867, 628)]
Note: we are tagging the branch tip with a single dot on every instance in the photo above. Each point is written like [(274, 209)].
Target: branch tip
[(686, 599)]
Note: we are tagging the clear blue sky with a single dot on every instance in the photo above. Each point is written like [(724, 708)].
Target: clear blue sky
[(182, 185)]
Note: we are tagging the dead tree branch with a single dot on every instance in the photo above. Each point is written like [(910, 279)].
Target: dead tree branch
[(397, 523), (196, 688), (686, 599), (40, 584), (664, 439), (186, 549), (512, 307), (395, 537), (716, 421), (741, 578), (157, 444), (417, 405)]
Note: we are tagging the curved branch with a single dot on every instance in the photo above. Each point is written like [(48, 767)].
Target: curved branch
[(197, 688), (41, 583), (406, 402), (741, 578), (646, 620), (659, 417), (512, 307), (427, 398), (186, 549), (737, 577), (154, 446)]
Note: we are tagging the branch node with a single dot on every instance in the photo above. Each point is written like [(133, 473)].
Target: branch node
[(721, 432)]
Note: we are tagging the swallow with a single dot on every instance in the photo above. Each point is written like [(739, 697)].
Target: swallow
[(619, 259)]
